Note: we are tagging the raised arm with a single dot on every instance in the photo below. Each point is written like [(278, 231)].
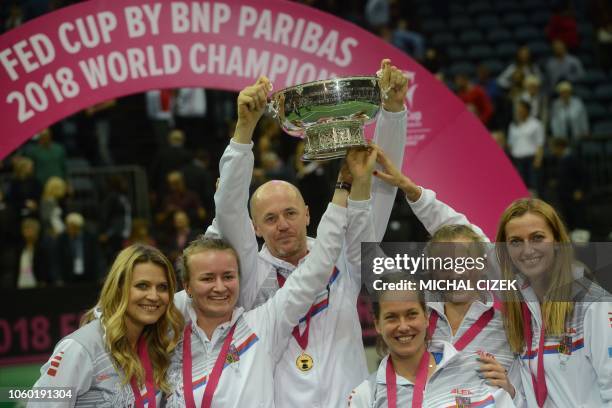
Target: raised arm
[(432, 213), (390, 135), (232, 221)]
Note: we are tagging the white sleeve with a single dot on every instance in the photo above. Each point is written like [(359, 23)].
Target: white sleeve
[(181, 303), (539, 135), (360, 397), (360, 229), (70, 366), (232, 215), (598, 344), (390, 136), (434, 214), (277, 317), (502, 398), (213, 230)]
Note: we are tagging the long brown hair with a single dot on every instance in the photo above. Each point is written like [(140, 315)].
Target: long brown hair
[(554, 313), (113, 304)]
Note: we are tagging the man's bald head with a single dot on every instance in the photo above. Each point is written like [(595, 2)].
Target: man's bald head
[(276, 188), (280, 217)]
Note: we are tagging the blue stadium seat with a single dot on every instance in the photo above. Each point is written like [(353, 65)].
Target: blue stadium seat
[(479, 7), (507, 6), (525, 34), (506, 50), (539, 49), (471, 37), (603, 93), (514, 19), (434, 25), (462, 67), (480, 52), (443, 39), (596, 111), (455, 53), (539, 18), (593, 77), (603, 128), (499, 35), (582, 92), (495, 66), (460, 22), (488, 22)]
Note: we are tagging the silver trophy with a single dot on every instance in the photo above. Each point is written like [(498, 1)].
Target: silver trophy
[(330, 115)]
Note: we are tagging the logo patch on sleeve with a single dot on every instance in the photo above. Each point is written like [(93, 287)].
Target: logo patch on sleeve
[(54, 364)]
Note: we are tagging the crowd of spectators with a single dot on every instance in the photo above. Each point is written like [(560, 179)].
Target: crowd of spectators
[(530, 105)]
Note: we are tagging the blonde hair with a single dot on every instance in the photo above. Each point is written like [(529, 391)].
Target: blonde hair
[(554, 313), (203, 244), (113, 303), (55, 188)]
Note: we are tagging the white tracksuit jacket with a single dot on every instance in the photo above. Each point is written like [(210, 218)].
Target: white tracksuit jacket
[(449, 383)]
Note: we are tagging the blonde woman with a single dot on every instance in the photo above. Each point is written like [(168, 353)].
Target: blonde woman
[(50, 206), (120, 356), (559, 321)]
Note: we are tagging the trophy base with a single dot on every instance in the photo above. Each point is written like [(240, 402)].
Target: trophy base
[(331, 140)]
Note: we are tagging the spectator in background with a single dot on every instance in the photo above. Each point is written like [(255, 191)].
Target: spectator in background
[(178, 198), (562, 66), (182, 234), (9, 231), (483, 79), (601, 15), (160, 105), (474, 97), (115, 216), (569, 116), (562, 25), (32, 263), (15, 17), (538, 101), (522, 63), (170, 157), (409, 41), (140, 234), (78, 252), (99, 114), (433, 62), (191, 113), (526, 144), (24, 189), (198, 178), (377, 13), (567, 180), (49, 157), (51, 206)]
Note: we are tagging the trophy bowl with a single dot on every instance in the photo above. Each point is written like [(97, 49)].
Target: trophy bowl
[(330, 115)]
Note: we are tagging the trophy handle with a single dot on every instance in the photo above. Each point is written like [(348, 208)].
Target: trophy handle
[(273, 108), (384, 92)]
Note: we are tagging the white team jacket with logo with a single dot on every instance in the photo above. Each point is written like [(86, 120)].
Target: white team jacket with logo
[(449, 385), (262, 333), (81, 361), (335, 341), (582, 379)]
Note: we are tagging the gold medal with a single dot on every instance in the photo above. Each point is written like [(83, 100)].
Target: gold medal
[(304, 362)]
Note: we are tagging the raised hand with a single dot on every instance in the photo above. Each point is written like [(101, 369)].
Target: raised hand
[(252, 102), (360, 162), (393, 176), (395, 84)]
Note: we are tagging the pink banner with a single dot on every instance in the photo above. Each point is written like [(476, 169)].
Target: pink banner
[(84, 54)]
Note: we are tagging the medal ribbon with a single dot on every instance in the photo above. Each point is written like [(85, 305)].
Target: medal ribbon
[(301, 338), (470, 333), (419, 384), (539, 384), (214, 376), (143, 354)]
